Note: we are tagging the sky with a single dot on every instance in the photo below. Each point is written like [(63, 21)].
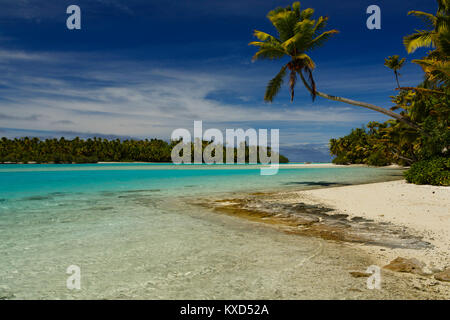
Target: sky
[(142, 68)]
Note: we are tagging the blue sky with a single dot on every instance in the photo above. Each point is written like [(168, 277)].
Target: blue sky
[(142, 68)]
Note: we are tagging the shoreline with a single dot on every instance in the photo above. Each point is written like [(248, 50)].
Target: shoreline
[(386, 220), (422, 210), (291, 165)]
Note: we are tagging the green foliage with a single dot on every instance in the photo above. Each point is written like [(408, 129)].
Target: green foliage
[(83, 151), (378, 159), (435, 172), (425, 147), (283, 159), (27, 150), (394, 62), (436, 64), (297, 34), (381, 144)]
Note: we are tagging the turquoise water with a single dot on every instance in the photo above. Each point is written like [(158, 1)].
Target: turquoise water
[(134, 234), (25, 181)]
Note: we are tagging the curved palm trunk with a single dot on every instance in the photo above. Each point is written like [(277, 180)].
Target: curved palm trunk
[(362, 104)]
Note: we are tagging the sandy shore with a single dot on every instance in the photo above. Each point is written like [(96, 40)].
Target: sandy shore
[(384, 221), (423, 210)]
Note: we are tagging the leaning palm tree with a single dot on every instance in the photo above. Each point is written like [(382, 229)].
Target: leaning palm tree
[(297, 35), (395, 63)]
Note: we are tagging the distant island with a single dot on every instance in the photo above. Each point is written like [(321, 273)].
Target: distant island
[(26, 150)]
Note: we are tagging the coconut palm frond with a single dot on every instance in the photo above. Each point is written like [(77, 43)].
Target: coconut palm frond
[(320, 40), (265, 36), (307, 14), (267, 50), (274, 85), (321, 24), (429, 19), (417, 40)]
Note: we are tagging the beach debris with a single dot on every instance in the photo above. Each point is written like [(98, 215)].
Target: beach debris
[(358, 274), (443, 276), (406, 265)]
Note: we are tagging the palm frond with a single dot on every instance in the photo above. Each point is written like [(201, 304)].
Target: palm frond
[(274, 85), (436, 70), (265, 36), (270, 53), (268, 50), (321, 24), (284, 21), (320, 40), (307, 14), (417, 40), (296, 9), (303, 33), (444, 43), (443, 5), (429, 19)]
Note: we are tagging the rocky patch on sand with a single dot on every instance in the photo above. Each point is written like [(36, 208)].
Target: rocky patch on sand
[(415, 266), (406, 265), (316, 221)]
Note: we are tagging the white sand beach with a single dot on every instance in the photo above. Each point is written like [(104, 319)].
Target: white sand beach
[(423, 210)]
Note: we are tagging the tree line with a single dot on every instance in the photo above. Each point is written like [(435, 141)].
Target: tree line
[(25, 150)]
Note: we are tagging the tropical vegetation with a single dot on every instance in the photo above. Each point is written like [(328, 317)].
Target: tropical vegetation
[(395, 64), (298, 34), (435, 171), (418, 133), (26, 150)]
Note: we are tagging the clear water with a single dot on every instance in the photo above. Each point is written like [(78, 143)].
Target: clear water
[(131, 230)]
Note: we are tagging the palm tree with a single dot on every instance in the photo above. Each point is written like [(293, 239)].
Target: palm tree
[(436, 65), (395, 63), (297, 35), (437, 23)]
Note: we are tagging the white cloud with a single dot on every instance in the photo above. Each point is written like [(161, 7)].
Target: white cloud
[(123, 98)]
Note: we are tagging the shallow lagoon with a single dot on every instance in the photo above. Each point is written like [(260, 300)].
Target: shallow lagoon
[(134, 233)]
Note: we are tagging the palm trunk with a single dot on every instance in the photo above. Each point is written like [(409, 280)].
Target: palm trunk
[(364, 105), (396, 77)]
